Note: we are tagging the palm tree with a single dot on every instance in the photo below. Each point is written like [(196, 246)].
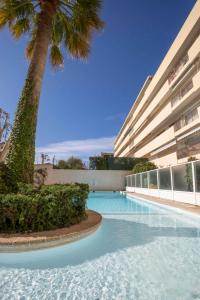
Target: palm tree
[(51, 24)]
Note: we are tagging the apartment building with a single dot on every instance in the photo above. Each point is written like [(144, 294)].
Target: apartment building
[(163, 124)]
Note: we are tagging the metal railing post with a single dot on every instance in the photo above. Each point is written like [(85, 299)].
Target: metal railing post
[(158, 182), (148, 180), (172, 182), (194, 180)]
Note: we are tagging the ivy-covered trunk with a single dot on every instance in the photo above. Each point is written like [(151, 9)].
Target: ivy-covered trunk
[(21, 154)]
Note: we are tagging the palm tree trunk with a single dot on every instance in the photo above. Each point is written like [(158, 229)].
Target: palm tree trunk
[(21, 154)]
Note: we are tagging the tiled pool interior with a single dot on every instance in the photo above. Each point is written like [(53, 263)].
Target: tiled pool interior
[(139, 252)]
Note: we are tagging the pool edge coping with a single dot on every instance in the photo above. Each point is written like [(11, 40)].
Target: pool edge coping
[(163, 205), (44, 241)]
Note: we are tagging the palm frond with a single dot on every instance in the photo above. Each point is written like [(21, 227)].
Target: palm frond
[(4, 17), (57, 30), (56, 56), (72, 26), (80, 20), (77, 45), (12, 11), (85, 16), (22, 8), (20, 27)]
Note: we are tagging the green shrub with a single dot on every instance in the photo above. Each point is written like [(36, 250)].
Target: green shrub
[(8, 183), (72, 162), (143, 167), (28, 189), (47, 208)]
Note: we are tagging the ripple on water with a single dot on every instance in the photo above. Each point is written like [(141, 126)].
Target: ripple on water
[(163, 264)]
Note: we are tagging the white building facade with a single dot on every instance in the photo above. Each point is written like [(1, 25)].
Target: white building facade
[(164, 122)]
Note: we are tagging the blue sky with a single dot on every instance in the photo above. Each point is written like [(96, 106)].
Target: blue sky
[(83, 106)]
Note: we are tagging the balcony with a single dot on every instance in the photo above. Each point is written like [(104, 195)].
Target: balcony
[(176, 70), (181, 94)]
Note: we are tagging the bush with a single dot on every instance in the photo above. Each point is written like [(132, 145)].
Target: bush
[(28, 189), (109, 162), (143, 167), (73, 163), (45, 208), (8, 183)]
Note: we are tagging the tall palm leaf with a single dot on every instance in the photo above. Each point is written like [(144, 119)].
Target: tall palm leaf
[(51, 24)]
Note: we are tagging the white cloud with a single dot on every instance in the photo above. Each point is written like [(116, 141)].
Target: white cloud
[(80, 148)]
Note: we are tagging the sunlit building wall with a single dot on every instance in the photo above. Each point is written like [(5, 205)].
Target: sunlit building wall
[(163, 124)]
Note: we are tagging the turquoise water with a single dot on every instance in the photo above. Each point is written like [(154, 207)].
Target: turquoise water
[(139, 252), (111, 202)]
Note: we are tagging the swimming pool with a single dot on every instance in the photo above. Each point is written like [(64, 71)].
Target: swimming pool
[(141, 251), (114, 203)]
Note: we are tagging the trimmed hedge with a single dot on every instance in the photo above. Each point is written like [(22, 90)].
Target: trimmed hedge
[(45, 208)]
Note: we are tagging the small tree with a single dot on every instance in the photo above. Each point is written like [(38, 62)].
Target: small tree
[(62, 164), (114, 163), (74, 163), (143, 167)]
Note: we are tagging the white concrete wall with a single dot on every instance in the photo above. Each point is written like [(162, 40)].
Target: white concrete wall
[(98, 180), (184, 197)]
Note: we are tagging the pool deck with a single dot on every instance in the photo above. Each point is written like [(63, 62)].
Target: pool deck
[(180, 205), (45, 239)]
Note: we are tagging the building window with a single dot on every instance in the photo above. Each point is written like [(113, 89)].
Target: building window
[(179, 124), (189, 146), (186, 89), (177, 97), (175, 100), (188, 118), (191, 116)]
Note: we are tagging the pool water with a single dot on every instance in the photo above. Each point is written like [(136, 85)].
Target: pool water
[(141, 251), (107, 203)]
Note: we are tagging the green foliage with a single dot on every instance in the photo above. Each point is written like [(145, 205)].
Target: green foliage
[(114, 163), (72, 25), (21, 154), (74, 163), (143, 167), (62, 164), (8, 182), (28, 189), (53, 25), (45, 208)]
